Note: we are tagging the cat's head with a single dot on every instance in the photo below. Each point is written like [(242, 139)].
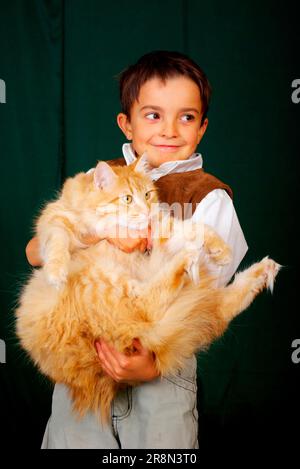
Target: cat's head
[(122, 195)]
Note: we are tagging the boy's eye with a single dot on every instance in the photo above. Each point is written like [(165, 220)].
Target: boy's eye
[(127, 199), (189, 116), (152, 115)]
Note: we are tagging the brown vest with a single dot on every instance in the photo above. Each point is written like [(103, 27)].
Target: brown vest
[(189, 187)]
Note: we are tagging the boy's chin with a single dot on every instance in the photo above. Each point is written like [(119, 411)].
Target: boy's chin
[(158, 158)]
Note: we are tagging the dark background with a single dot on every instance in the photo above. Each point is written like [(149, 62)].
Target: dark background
[(58, 60)]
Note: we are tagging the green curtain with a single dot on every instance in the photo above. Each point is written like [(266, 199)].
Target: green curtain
[(59, 61), (31, 161)]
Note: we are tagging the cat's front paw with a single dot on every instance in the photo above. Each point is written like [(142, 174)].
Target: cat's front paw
[(220, 254), (56, 274), (215, 247)]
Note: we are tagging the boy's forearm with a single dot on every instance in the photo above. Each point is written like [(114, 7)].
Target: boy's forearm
[(33, 252)]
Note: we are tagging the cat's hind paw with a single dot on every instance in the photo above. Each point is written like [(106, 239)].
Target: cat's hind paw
[(271, 269), (264, 274)]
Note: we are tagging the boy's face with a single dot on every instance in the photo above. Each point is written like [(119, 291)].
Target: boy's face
[(165, 121)]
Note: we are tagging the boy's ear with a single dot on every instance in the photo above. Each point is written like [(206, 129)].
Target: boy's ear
[(124, 124), (202, 129), (104, 176)]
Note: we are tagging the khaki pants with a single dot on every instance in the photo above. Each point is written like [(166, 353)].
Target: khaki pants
[(157, 414)]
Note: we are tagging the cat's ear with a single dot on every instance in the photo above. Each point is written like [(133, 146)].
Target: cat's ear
[(104, 176), (142, 165)]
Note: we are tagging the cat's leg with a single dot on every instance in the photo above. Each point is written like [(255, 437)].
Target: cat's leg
[(55, 252), (197, 238), (246, 286), (189, 234), (206, 319)]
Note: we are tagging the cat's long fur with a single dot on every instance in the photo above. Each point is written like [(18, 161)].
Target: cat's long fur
[(81, 295)]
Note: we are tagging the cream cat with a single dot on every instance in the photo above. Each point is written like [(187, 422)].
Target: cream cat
[(167, 299)]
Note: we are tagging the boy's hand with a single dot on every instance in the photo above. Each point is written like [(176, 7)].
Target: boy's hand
[(123, 368), (123, 238), (130, 240)]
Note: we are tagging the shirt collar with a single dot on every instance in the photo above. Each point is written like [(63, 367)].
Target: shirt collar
[(195, 161)]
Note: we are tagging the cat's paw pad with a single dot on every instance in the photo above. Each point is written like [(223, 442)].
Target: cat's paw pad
[(56, 275), (220, 255), (265, 273)]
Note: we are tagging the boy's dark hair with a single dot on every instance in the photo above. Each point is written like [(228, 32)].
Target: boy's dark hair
[(161, 64)]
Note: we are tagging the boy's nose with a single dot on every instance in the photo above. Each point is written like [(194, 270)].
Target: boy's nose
[(168, 129)]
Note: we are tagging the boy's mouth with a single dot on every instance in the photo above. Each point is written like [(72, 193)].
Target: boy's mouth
[(167, 148)]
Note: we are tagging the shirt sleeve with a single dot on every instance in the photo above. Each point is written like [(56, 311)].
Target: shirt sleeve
[(217, 211)]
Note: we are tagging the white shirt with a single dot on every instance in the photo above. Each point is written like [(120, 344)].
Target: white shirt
[(215, 210)]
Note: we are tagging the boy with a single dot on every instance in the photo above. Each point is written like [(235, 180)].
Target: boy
[(164, 98)]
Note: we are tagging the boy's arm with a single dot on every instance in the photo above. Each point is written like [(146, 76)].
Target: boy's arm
[(217, 211)]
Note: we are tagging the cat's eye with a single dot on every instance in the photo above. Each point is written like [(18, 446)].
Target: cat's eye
[(147, 195), (127, 199)]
